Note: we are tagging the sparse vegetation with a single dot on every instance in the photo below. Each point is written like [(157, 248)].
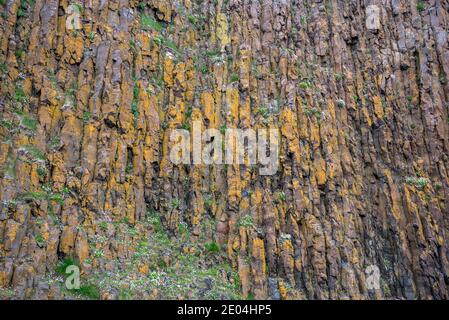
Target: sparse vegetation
[(134, 103), (183, 275), (246, 221), (28, 123), (212, 247), (45, 194), (312, 112), (20, 95), (418, 182)]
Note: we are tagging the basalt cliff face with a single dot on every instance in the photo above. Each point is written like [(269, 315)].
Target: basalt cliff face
[(91, 90)]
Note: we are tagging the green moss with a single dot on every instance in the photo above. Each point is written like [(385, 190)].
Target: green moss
[(19, 95), (35, 153), (149, 22), (29, 123)]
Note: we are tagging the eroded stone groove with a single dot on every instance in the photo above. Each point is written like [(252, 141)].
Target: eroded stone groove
[(361, 100)]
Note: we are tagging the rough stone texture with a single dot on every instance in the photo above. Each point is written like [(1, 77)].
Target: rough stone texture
[(363, 175)]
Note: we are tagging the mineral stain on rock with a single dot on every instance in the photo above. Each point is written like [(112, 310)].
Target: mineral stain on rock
[(358, 90)]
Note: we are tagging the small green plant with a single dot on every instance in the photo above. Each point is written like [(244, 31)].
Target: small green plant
[(420, 6), (246, 221), (284, 237), (98, 253), (263, 112), (185, 126), (42, 172), (223, 129), (339, 76), (54, 143), (45, 194), (87, 116), (129, 169), (171, 45), (234, 78), (212, 247), (91, 36), (34, 195), (341, 103), (78, 7), (214, 56), (418, 182), (304, 85), (10, 204), (64, 264), (134, 103), (157, 40), (312, 112), (103, 225), (20, 53), (20, 95), (39, 240), (281, 196), (204, 69), (7, 124), (175, 203), (192, 19)]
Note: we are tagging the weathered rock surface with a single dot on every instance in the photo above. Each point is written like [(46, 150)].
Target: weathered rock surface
[(359, 93)]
